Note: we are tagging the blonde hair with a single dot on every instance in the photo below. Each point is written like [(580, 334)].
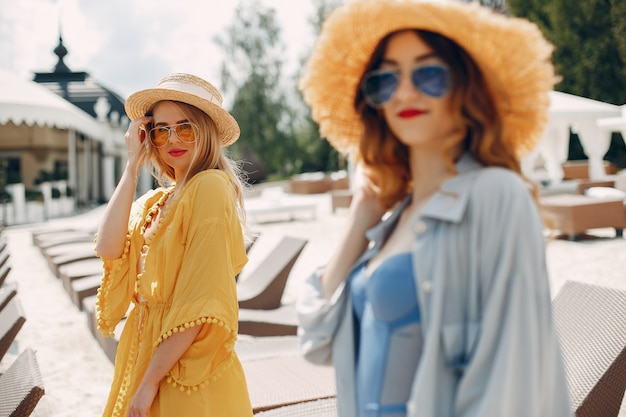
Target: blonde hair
[(209, 154), (385, 158)]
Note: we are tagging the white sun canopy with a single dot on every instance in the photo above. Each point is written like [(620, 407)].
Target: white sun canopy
[(26, 102), (581, 115), (615, 124)]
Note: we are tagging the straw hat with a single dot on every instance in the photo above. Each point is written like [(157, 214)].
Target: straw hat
[(511, 53), (188, 89)]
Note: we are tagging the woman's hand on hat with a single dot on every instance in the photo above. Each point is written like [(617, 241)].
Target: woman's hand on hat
[(136, 145)]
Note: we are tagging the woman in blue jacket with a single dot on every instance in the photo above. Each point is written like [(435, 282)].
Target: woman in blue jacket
[(442, 307)]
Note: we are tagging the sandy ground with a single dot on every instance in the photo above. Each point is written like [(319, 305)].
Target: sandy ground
[(76, 372)]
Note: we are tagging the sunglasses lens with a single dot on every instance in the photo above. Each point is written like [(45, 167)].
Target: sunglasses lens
[(379, 86), (185, 132), (159, 136), (433, 80)]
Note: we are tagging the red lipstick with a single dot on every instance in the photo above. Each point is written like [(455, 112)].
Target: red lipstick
[(408, 113), (177, 152)]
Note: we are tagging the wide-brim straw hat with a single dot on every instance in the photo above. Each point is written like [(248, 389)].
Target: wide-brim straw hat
[(188, 89), (512, 54)]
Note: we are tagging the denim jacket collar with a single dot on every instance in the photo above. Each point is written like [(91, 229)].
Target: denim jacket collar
[(447, 204)]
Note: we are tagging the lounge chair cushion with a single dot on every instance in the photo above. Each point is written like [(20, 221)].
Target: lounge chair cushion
[(12, 319), (605, 192), (591, 324), (21, 386)]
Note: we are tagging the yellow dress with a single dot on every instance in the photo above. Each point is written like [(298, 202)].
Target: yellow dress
[(188, 280)]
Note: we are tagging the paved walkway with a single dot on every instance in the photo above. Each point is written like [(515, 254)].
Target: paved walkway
[(76, 372)]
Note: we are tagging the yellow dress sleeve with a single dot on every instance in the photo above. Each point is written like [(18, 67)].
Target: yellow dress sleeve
[(118, 281), (205, 291)]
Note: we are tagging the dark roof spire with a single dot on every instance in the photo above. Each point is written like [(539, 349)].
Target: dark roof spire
[(60, 51)]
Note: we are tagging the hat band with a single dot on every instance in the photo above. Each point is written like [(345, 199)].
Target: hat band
[(191, 89)]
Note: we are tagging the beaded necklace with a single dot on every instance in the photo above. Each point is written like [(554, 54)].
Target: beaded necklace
[(152, 214), (154, 211)]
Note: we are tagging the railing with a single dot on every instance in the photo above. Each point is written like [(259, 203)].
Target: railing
[(20, 211)]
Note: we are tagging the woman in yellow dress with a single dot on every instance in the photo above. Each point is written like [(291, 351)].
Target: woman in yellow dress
[(171, 257)]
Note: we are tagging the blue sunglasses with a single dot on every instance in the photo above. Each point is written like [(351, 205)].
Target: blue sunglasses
[(379, 86)]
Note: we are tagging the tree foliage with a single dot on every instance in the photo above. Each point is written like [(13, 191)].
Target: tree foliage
[(278, 136), (618, 26), (251, 73), (316, 153), (590, 53), (590, 44), (534, 10)]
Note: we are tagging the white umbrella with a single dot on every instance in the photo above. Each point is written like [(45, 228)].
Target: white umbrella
[(26, 102), (581, 114)]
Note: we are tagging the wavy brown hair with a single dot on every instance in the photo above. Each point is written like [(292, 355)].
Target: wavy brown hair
[(209, 154), (386, 159)]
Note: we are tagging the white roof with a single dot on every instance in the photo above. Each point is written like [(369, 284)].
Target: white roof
[(614, 123), (26, 102), (569, 106)]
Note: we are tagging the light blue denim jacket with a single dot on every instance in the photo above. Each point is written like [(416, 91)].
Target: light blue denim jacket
[(490, 346)]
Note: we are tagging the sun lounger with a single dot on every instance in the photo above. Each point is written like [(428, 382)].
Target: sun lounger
[(250, 348), (4, 272), (293, 379), (573, 214), (310, 183), (108, 344), (267, 211), (44, 238), (71, 247), (340, 199), (12, 319), (55, 262), (47, 232), (591, 324), (84, 287), (89, 307), (7, 292), (4, 257), (64, 238), (280, 321), (264, 287), (3, 242), (254, 236), (21, 386), (77, 270), (326, 407)]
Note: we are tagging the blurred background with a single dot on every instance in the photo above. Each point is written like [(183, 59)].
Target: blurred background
[(67, 152)]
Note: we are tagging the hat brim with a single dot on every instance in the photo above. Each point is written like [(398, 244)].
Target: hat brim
[(511, 53), (139, 103)]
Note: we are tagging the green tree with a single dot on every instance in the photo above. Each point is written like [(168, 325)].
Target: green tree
[(590, 45), (618, 25), (534, 10), (314, 153), (251, 73), (590, 53), (586, 51)]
